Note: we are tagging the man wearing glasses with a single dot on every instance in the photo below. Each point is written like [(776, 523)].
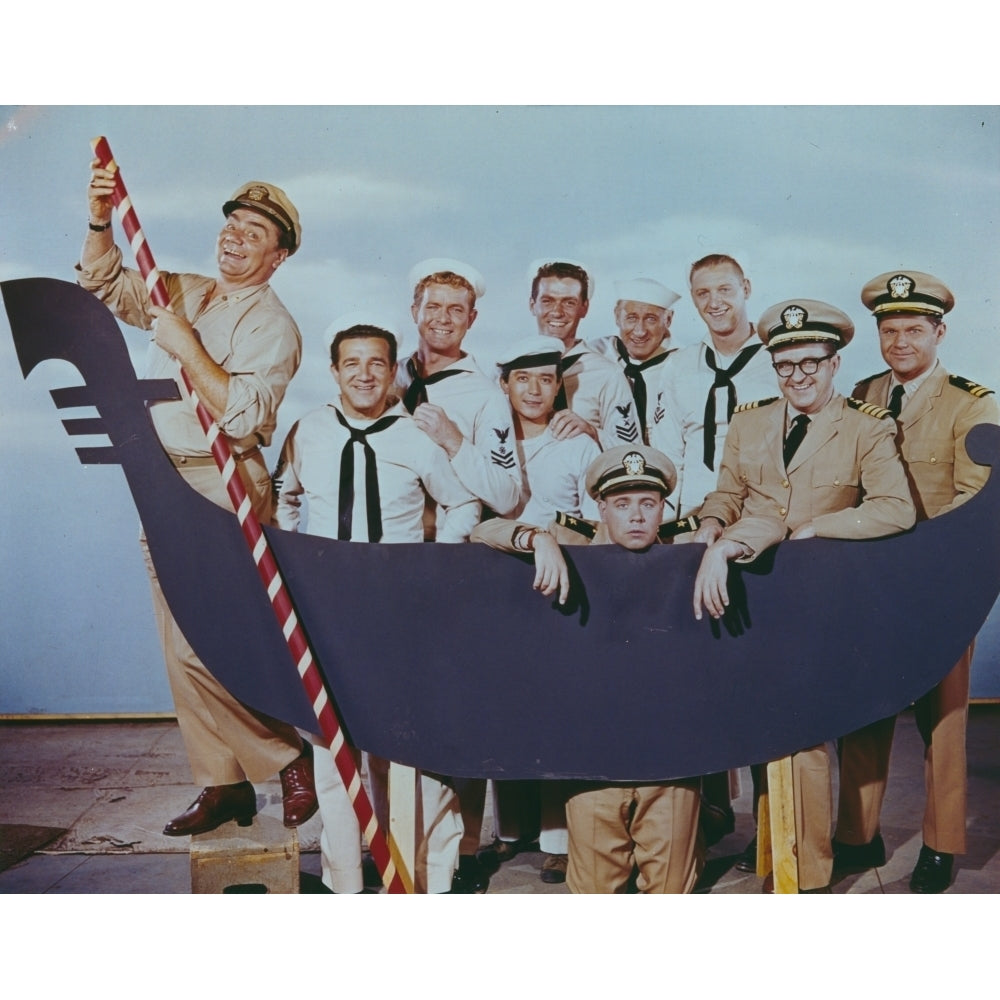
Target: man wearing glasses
[(808, 463)]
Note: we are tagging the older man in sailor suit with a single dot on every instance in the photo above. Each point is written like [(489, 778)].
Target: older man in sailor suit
[(327, 459), (809, 463), (934, 411), (596, 398), (643, 314)]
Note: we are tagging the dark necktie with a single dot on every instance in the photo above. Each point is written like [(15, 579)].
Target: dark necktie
[(373, 502), (896, 401), (633, 372), (565, 364), (416, 393), (723, 378), (795, 435)]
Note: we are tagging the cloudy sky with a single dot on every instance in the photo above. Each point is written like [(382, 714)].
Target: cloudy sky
[(813, 200)]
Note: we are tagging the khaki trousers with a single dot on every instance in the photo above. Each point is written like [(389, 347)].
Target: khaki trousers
[(654, 827), (942, 717), (226, 742)]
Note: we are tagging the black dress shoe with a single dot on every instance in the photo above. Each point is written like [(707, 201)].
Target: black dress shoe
[(470, 879), (492, 857), (747, 861), (716, 822), (216, 805), (859, 856), (298, 789), (933, 871)]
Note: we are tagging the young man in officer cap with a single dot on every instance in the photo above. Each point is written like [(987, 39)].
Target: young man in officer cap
[(365, 470), (595, 397), (615, 826), (643, 314), (240, 348), (934, 411), (776, 453)]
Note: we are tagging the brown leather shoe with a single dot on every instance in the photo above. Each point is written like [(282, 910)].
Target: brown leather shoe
[(216, 805), (298, 789)]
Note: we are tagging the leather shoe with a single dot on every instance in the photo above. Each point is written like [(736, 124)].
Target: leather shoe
[(859, 856), (932, 872), (470, 879), (216, 805), (298, 789), (716, 822), (491, 858), (747, 861), (554, 869)]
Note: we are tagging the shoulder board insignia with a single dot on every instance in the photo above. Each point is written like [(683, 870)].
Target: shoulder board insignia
[(671, 528), (755, 404), (871, 378), (585, 528), (974, 388), (879, 412)]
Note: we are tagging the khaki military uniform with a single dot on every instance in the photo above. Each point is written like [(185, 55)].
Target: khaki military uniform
[(846, 478), (612, 826), (932, 428)]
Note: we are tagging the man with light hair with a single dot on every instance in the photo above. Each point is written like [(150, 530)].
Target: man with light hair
[(643, 314)]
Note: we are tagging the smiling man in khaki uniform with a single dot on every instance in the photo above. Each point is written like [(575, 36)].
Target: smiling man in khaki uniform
[(935, 410), (814, 464)]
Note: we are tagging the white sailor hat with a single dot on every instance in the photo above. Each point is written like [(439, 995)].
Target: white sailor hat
[(361, 317), (804, 321), (537, 265), (907, 292), (445, 265), (630, 467), (530, 352), (645, 290)]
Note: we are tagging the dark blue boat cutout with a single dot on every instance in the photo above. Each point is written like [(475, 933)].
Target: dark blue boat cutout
[(442, 656)]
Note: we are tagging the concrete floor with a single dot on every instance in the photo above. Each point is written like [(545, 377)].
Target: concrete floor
[(112, 786)]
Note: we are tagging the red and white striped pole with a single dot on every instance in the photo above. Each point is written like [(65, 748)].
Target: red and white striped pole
[(394, 876)]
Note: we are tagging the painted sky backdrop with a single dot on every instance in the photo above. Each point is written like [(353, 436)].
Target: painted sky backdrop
[(813, 200)]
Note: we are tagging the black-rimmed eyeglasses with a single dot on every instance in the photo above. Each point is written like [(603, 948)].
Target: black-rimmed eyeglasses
[(808, 366)]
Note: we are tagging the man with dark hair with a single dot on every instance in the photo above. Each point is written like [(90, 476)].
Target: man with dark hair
[(643, 314), (808, 463), (240, 348), (934, 410), (596, 398), (613, 828), (365, 470)]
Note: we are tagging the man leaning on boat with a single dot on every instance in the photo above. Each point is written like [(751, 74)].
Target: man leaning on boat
[(240, 347)]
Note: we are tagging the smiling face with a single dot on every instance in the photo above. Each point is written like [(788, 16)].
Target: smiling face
[(247, 250), (365, 374), (558, 306), (720, 295), (807, 393), (633, 517), (443, 317), (909, 344), (642, 327), (532, 393)]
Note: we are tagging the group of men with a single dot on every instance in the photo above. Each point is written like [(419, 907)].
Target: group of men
[(737, 442)]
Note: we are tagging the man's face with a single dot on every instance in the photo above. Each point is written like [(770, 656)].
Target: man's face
[(633, 518), (247, 250), (642, 327), (558, 307), (443, 317), (365, 375), (532, 392), (807, 393), (909, 344), (720, 296)]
